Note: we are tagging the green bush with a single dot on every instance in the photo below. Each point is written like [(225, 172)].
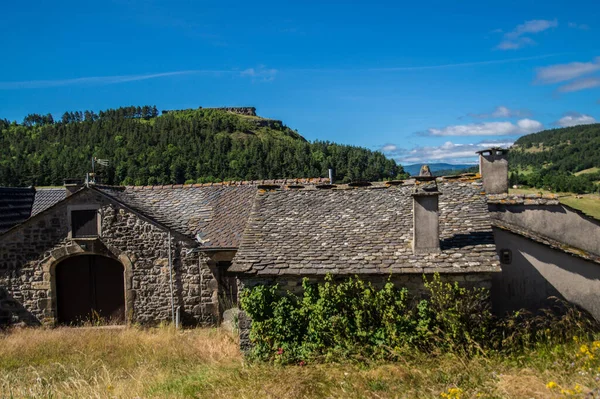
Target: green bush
[(353, 319)]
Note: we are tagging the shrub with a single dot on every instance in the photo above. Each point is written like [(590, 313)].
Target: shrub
[(456, 318), (353, 319)]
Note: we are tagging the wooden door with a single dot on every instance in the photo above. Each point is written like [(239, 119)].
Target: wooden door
[(90, 287)]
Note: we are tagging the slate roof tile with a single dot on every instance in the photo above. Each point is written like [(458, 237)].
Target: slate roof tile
[(215, 214), (15, 206), (46, 197), (363, 230)]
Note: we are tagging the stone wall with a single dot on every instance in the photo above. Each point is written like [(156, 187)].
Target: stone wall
[(411, 281), (30, 253)]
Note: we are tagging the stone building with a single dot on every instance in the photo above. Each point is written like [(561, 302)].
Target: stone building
[(125, 254), (162, 253)]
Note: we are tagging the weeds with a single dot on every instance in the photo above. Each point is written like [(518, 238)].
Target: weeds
[(353, 320), (440, 352), (205, 363)]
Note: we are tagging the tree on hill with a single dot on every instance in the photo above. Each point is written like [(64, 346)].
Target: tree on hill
[(201, 145), (554, 156)]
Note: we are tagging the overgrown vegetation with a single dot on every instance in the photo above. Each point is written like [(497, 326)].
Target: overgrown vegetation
[(552, 159), (190, 146), (352, 319), (206, 363)]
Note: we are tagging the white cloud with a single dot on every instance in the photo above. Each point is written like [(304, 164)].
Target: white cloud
[(563, 72), (91, 80), (523, 126), (533, 26), (580, 84), (518, 38), (389, 148), (503, 112), (447, 152), (515, 44), (579, 26), (260, 73), (575, 118)]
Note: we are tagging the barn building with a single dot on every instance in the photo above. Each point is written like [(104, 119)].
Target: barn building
[(181, 252)]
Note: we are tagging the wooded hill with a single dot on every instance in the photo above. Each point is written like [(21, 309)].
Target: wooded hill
[(189, 146), (564, 160)]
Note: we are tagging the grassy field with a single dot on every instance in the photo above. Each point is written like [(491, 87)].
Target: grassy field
[(205, 363), (587, 203), (590, 170)]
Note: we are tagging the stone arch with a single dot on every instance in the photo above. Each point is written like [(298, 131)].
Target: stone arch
[(72, 250)]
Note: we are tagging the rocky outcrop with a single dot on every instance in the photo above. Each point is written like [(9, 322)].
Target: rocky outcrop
[(248, 111)]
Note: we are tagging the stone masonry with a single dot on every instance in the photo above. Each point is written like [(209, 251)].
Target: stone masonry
[(29, 254)]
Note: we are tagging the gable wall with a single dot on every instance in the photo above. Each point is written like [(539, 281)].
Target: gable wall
[(538, 272), (30, 253)]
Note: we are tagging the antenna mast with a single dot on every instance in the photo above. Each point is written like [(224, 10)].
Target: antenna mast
[(91, 177)]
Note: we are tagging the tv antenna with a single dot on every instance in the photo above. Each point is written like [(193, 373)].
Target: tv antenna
[(91, 177)]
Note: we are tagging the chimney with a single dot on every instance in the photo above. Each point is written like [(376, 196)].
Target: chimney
[(72, 186), (330, 176), (493, 167), (426, 224)]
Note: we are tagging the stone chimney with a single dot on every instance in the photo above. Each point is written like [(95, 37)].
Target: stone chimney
[(426, 224), (72, 185), (493, 167)]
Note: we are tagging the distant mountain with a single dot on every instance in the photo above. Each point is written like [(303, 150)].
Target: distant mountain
[(414, 169)]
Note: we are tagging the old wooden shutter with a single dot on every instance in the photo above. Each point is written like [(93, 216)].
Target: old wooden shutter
[(84, 223)]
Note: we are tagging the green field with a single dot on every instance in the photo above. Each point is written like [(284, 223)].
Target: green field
[(206, 363), (590, 170)]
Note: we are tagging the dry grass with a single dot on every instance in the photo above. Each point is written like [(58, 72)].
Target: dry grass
[(205, 363), (588, 204)]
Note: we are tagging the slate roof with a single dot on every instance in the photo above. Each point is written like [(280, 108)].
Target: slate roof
[(46, 197), (523, 199), (216, 215), (292, 227), (15, 206), (364, 230)]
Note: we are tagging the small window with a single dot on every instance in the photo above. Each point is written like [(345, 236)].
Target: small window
[(84, 223), (505, 256)]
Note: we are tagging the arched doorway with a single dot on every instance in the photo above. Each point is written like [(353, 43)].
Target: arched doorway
[(89, 287)]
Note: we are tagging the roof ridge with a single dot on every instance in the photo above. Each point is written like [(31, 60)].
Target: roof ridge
[(312, 182), (309, 180)]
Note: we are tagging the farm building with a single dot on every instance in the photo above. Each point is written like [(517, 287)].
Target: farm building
[(160, 253)]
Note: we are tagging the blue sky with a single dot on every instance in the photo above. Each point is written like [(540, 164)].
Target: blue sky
[(422, 81)]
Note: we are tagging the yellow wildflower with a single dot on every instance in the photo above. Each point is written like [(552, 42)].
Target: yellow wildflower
[(452, 393), (551, 385)]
